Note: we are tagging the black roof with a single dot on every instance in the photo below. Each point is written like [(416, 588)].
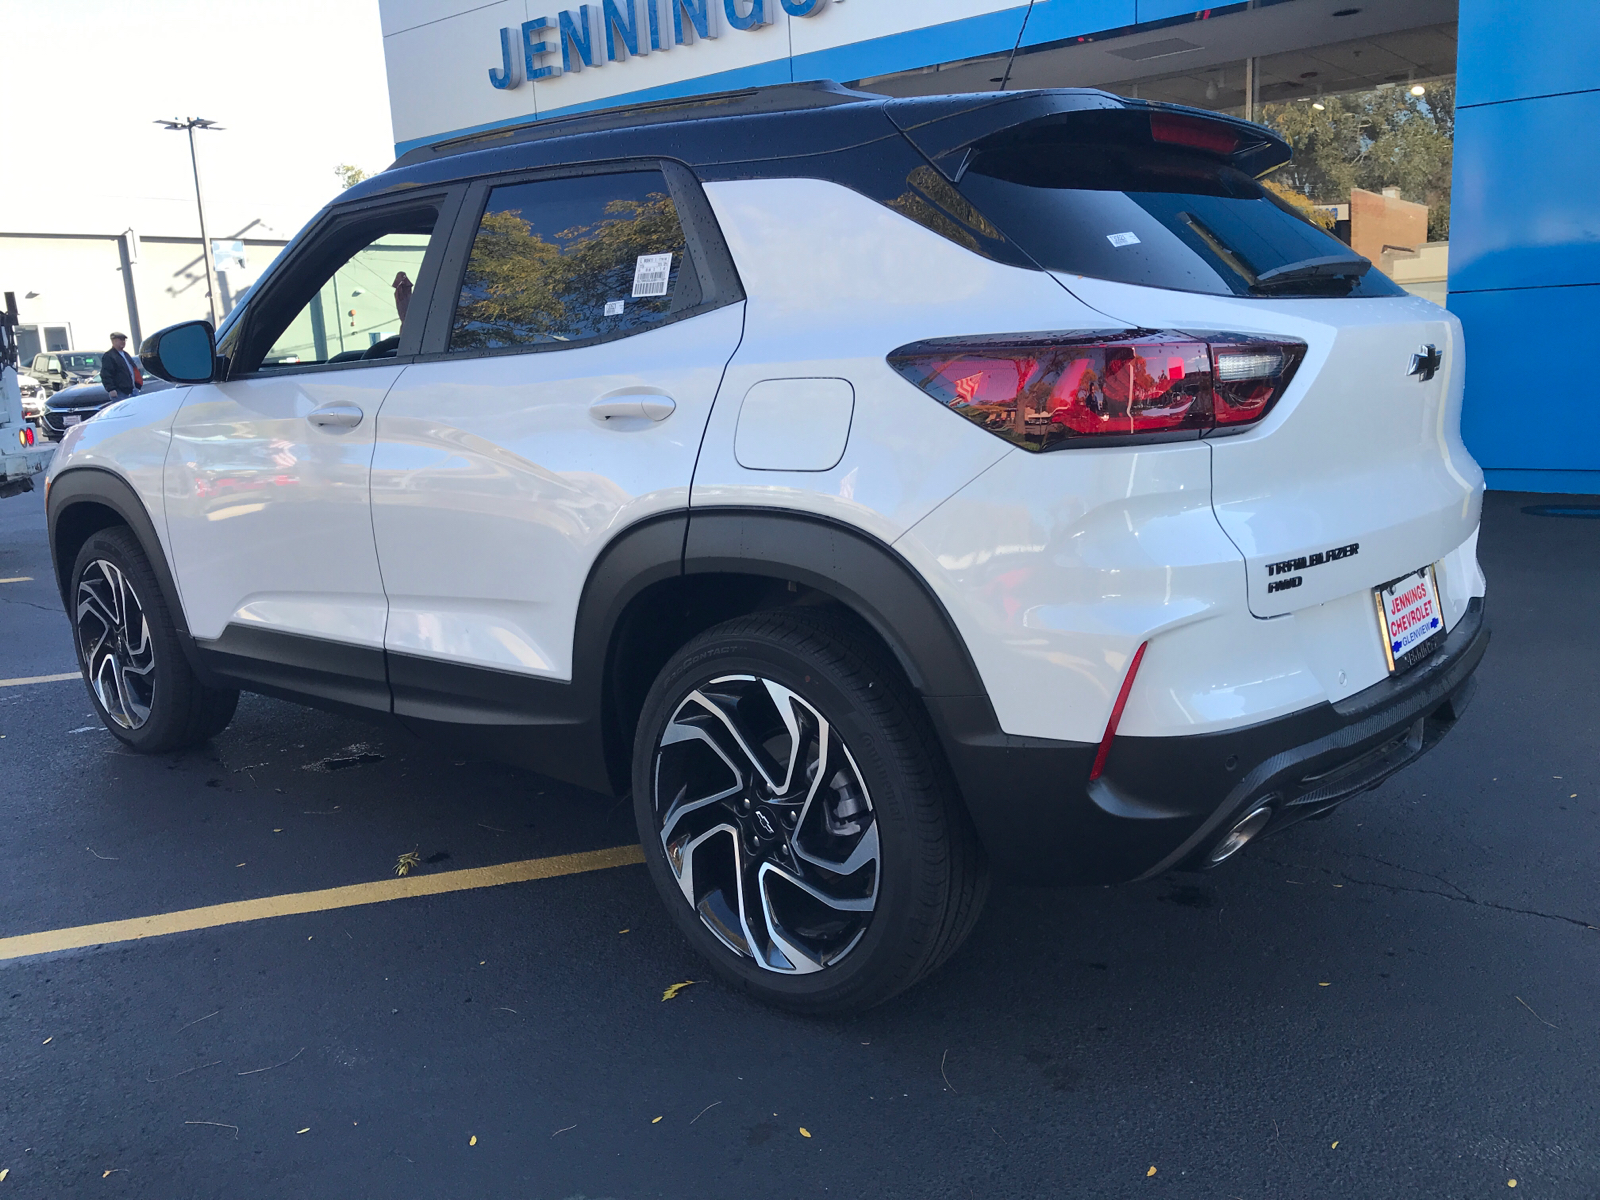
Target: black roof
[(784, 122)]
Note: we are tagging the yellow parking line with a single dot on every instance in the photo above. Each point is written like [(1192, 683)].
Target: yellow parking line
[(18, 579), (305, 902), (40, 679)]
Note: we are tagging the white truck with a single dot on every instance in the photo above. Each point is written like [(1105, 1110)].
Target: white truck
[(23, 454)]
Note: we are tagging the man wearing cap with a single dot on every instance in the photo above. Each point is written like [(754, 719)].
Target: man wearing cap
[(119, 371)]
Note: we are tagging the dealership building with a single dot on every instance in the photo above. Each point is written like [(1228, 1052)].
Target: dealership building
[(1446, 140)]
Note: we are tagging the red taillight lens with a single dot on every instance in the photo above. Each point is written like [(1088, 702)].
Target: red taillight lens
[(1044, 391), (25, 435)]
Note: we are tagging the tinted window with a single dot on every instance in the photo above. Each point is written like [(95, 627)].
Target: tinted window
[(81, 362), (1116, 206), (568, 260)]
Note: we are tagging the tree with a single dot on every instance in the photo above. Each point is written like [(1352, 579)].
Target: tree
[(349, 174), (1383, 138)]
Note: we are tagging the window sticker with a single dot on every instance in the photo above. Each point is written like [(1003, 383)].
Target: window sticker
[(650, 274), (614, 308), (1123, 239)]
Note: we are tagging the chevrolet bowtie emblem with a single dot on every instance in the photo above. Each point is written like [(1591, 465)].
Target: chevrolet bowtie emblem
[(1425, 363)]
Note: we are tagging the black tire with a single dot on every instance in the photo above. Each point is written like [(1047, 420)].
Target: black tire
[(929, 877), (142, 686)]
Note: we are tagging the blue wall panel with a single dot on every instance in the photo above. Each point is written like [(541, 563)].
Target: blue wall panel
[(1525, 206), (1525, 239), (1511, 49), (1530, 399)]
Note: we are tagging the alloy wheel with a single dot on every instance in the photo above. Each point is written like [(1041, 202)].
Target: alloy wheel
[(766, 823), (114, 638)]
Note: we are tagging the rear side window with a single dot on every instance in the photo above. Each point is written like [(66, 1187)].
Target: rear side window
[(1104, 199), (574, 259)]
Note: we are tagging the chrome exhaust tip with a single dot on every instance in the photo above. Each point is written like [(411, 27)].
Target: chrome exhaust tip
[(1242, 832)]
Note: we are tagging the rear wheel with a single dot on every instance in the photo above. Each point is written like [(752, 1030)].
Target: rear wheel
[(797, 816), (139, 680)]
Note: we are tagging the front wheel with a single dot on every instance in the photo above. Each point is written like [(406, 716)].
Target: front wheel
[(797, 816), (139, 680)]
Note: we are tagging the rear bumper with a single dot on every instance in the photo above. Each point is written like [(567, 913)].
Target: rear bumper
[(1163, 803)]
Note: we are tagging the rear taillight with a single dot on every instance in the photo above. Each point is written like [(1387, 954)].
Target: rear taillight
[(1044, 391), (25, 436)]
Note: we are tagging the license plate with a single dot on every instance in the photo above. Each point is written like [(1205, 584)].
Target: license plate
[(70, 420), (1410, 619)]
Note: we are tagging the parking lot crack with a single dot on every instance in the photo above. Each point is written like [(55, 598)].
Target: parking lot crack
[(1455, 894)]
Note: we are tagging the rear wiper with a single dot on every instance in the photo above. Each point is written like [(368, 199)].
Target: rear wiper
[(1310, 270)]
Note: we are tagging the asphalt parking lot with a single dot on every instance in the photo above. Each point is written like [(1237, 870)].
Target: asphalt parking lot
[(1397, 1001)]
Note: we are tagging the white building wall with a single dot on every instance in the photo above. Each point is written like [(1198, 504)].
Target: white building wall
[(439, 53)]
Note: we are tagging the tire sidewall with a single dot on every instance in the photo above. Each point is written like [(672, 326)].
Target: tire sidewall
[(878, 965)]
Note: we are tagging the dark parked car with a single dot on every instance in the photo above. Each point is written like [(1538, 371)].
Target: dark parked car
[(75, 405), (64, 368)]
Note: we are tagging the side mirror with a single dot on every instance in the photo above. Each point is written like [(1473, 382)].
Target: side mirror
[(184, 353)]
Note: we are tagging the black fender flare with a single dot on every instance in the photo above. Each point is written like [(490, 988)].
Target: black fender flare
[(993, 770), (845, 563), (77, 486)]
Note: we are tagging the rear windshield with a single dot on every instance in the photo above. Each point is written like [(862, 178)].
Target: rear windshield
[(1096, 201), (80, 362)]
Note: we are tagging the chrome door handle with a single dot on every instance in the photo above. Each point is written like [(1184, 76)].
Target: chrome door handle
[(654, 405), (335, 416)]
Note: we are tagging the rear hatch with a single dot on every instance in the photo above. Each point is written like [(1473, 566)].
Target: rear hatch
[(1357, 476), (1354, 474)]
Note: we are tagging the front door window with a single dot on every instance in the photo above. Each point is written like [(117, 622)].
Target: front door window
[(356, 307)]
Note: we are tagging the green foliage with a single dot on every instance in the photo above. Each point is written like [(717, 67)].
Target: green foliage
[(349, 174), (520, 288), (1304, 207), (1383, 138)]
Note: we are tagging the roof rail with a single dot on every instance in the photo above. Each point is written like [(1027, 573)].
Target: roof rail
[(780, 97)]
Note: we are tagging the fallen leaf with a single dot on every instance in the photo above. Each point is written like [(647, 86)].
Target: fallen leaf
[(655, 1121), (1511, 1183), (307, 1129), (4, 1171), (1150, 1172), (1335, 1146), (676, 988), (804, 1132), (622, 931), (48, 1040), (403, 864), (1324, 985), (473, 1140)]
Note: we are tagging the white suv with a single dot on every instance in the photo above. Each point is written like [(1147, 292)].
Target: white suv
[(884, 491)]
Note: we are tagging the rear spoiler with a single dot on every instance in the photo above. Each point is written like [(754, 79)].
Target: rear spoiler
[(946, 128)]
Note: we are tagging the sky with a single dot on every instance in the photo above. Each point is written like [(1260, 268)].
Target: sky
[(298, 84)]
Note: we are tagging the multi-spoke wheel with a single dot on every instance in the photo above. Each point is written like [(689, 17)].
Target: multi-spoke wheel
[(119, 658), (796, 815), (138, 677), (766, 824)]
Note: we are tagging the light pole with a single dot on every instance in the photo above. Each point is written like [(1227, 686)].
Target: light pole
[(191, 125)]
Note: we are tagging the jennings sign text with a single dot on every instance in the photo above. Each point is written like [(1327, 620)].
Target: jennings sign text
[(616, 30)]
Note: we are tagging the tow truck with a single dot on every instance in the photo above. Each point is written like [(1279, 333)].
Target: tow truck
[(23, 454)]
